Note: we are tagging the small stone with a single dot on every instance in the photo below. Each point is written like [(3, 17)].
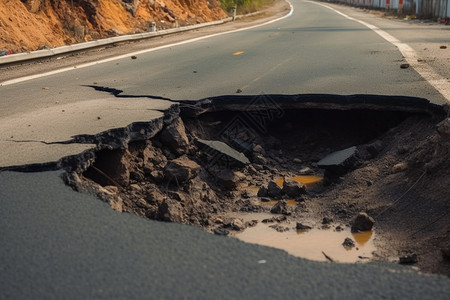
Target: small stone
[(171, 211), (181, 169), (300, 226), (409, 258), (279, 208), (262, 192), (218, 221), (327, 220), (363, 222), (348, 243), (245, 195), (221, 231), (227, 178), (274, 190), (237, 224), (133, 57), (306, 171), (400, 167), (252, 223), (403, 149), (135, 187), (375, 148), (297, 161), (443, 47), (238, 91), (174, 136), (293, 188), (404, 66), (157, 176), (259, 149), (279, 228), (339, 228)]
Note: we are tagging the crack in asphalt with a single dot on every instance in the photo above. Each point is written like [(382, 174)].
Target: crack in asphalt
[(118, 93), (43, 142)]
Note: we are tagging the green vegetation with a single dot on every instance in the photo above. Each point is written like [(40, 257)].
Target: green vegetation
[(244, 6)]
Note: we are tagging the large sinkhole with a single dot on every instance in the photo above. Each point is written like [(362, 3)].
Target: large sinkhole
[(287, 173)]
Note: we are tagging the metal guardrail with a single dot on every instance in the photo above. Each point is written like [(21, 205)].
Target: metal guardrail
[(20, 57)]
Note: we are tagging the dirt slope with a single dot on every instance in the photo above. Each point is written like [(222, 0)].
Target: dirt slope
[(27, 25)]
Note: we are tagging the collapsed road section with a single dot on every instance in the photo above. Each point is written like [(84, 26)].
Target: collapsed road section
[(311, 161)]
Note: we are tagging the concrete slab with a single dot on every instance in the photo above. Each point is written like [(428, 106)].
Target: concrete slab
[(27, 153), (27, 138)]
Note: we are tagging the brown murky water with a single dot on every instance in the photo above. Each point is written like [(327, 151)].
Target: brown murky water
[(308, 180), (309, 244)]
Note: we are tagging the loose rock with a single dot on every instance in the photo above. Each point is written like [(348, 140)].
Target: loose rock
[(327, 220), (297, 161), (306, 171), (221, 231), (279, 228), (262, 192), (181, 169), (238, 224), (400, 167), (171, 211), (410, 258), (274, 190), (227, 178), (348, 243), (362, 223), (174, 136), (259, 149), (300, 226), (279, 208), (293, 188)]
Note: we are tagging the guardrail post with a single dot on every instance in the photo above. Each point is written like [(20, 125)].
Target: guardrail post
[(233, 12), (151, 26)]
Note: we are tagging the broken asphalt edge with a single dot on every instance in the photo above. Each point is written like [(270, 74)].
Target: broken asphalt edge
[(21, 57), (139, 131), (313, 101), (109, 139)]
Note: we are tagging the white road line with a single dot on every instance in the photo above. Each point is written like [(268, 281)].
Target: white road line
[(440, 83), (22, 79)]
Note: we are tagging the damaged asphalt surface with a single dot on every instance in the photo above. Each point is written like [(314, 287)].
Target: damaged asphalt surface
[(57, 243)]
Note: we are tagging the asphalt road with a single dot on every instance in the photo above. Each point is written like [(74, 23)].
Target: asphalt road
[(59, 244), (56, 243), (315, 50)]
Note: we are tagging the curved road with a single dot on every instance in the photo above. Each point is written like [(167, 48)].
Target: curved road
[(56, 243)]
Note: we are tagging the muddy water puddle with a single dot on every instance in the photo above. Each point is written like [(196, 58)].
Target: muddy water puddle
[(311, 244), (308, 180)]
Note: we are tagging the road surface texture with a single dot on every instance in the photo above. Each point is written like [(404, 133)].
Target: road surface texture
[(57, 243)]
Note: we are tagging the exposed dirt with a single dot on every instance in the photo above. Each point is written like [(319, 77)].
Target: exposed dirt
[(399, 174), (29, 25)]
